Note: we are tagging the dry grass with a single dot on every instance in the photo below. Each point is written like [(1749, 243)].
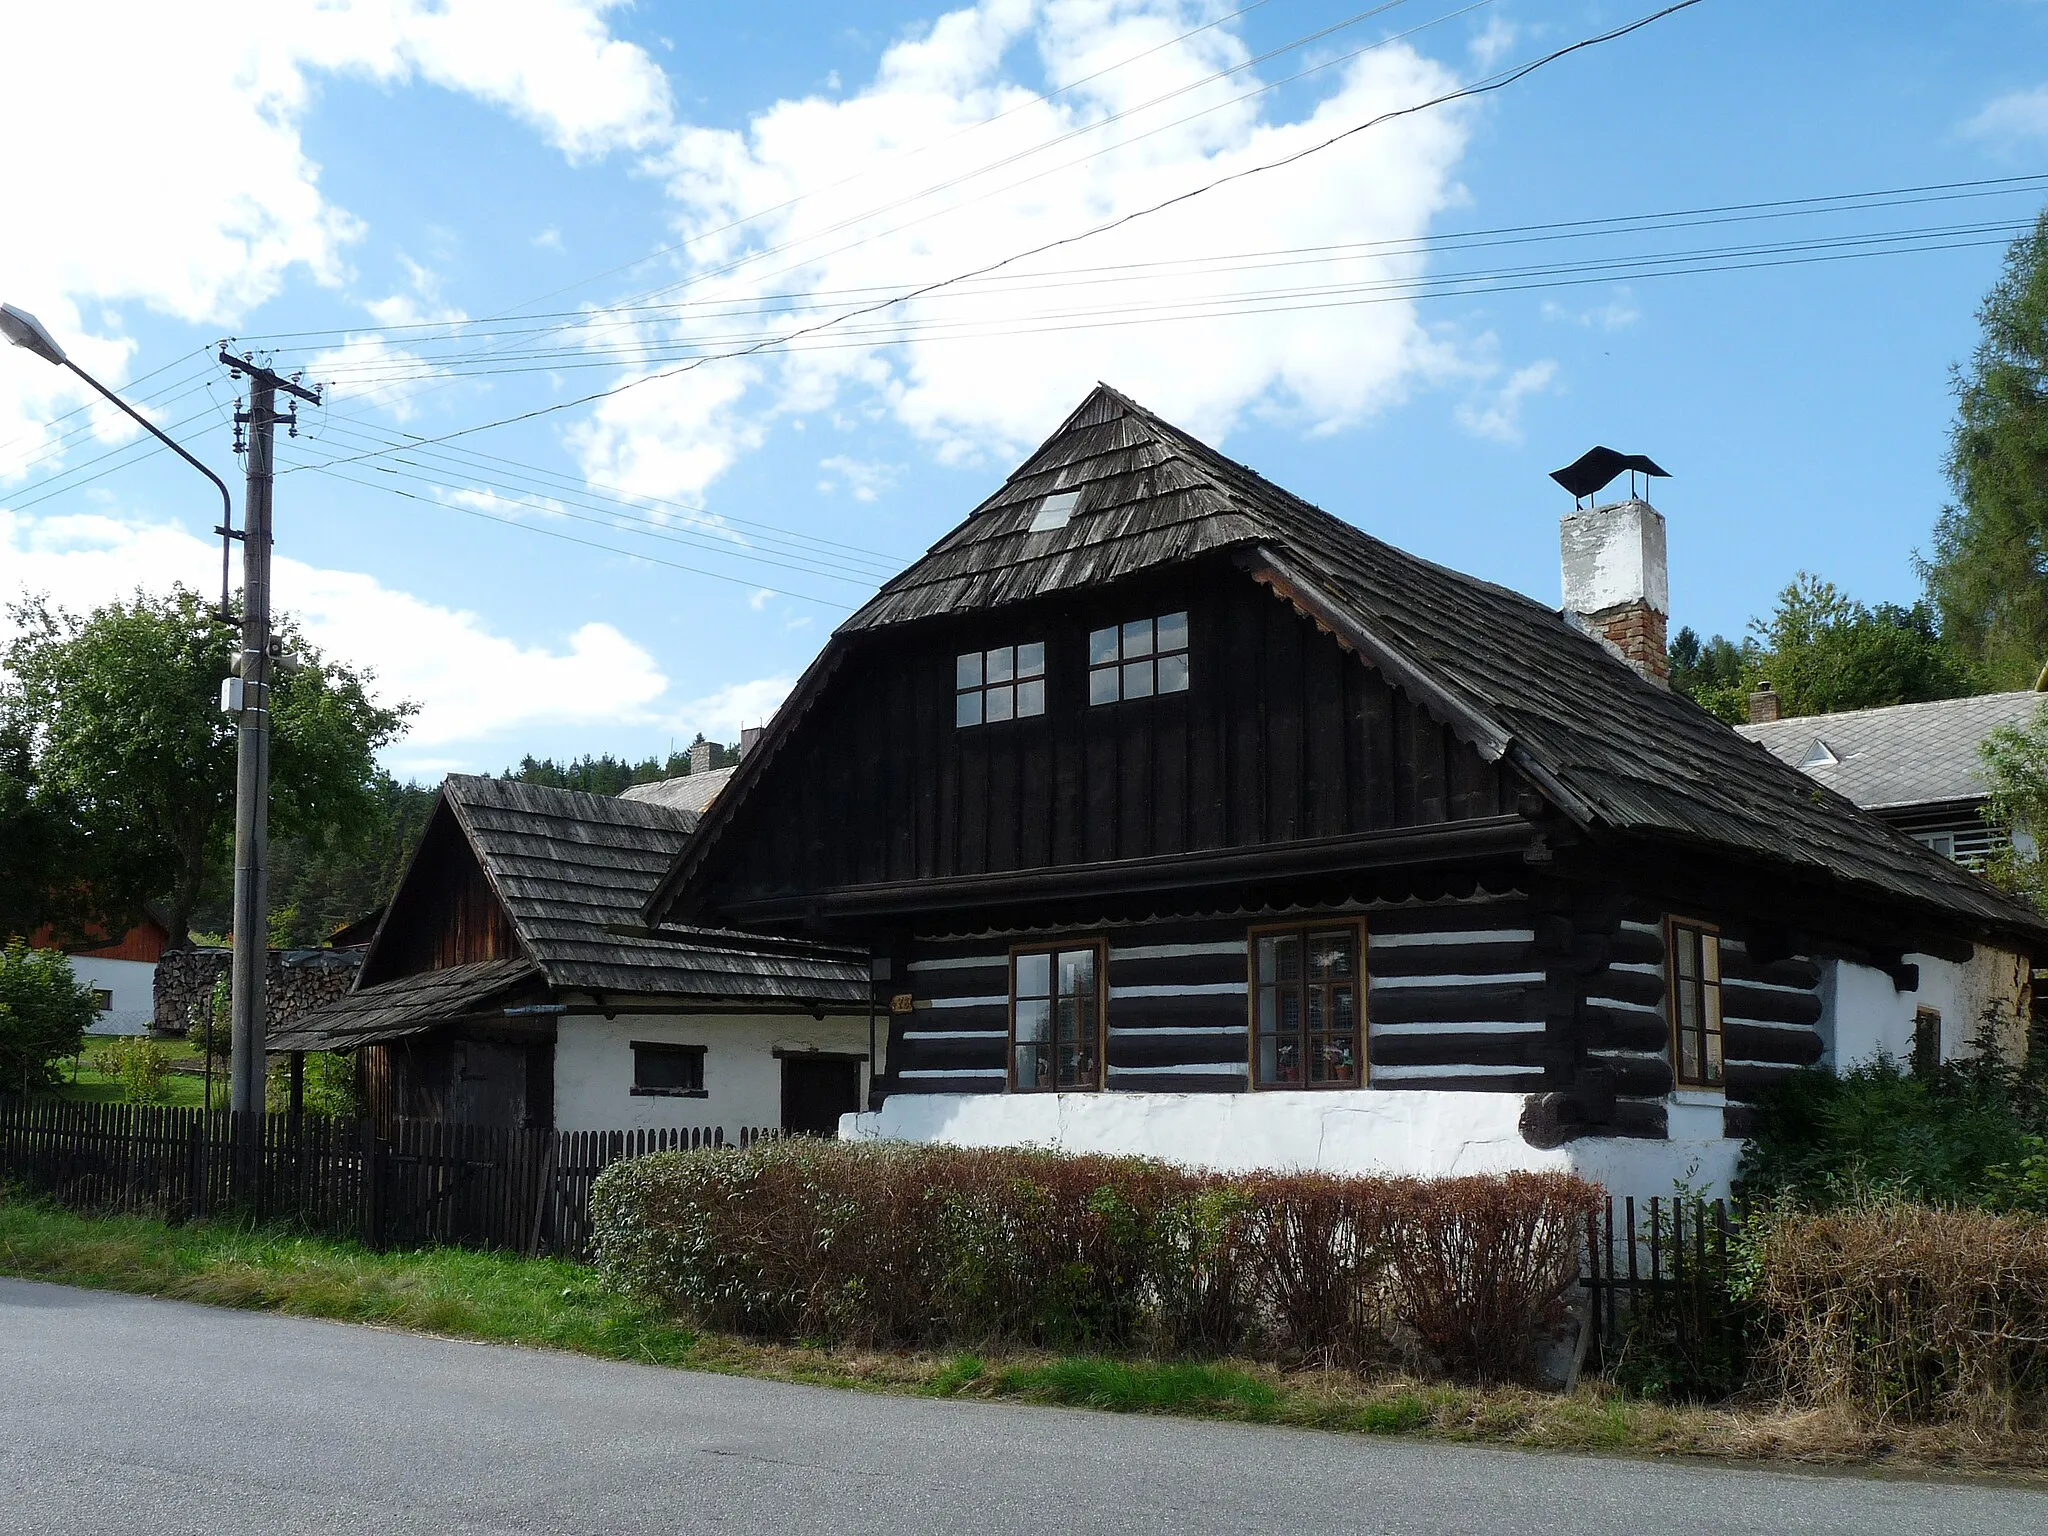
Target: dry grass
[(545, 1303)]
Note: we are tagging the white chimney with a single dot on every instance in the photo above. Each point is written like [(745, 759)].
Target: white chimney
[(1616, 587)]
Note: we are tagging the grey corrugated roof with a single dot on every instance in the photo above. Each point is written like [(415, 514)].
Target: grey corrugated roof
[(1902, 756), (569, 865), (1616, 752), (691, 792), (403, 1007)]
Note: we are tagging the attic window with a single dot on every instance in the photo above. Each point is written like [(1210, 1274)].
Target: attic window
[(1054, 511), (1138, 659), (1819, 755), (1007, 683)]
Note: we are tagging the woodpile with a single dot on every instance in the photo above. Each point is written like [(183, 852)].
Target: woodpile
[(300, 981)]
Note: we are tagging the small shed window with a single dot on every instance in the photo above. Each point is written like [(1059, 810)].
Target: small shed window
[(1007, 683), (1056, 1018), (1693, 981), (103, 1000), (668, 1071), (1307, 1025), (1926, 1041), (1138, 659)]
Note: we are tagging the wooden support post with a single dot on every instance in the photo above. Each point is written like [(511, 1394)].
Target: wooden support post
[(298, 1101)]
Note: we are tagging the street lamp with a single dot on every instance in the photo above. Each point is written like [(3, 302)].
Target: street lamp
[(27, 332)]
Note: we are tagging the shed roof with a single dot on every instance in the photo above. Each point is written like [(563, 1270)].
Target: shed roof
[(404, 1006), (1900, 757), (1615, 752)]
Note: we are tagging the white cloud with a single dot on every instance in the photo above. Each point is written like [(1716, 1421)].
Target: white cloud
[(202, 212), (1021, 350), (866, 480), (1499, 416), (470, 682), (723, 714), (2014, 117), (1617, 313), (759, 599), (366, 369), (549, 239)]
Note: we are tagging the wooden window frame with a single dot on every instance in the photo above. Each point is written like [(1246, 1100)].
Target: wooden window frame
[(1362, 1067), (1120, 664), (1100, 1038), (1673, 1012), (1014, 684), (680, 1047)]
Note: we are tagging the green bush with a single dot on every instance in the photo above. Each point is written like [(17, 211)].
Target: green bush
[(44, 1014), (139, 1065), (892, 1244), (1971, 1132)]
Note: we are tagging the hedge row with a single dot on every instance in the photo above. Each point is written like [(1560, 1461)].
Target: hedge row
[(894, 1244), (1909, 1312)]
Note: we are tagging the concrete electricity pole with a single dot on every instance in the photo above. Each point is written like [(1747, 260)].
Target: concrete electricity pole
[(247, 695)]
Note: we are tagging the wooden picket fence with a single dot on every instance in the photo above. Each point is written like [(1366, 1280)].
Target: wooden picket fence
[(409, 1183)]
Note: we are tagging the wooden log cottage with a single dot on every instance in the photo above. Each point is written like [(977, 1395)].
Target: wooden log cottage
[(499, 988), (1184, 818)]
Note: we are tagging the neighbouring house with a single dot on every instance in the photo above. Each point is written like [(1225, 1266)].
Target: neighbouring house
[(502, 988), (122, 975), (1184, 818), (1914, 766)]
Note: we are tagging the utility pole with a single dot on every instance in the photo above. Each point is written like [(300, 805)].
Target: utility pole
[(251, 704)]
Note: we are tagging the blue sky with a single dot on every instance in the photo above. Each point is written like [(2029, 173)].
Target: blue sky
[(370, 192)]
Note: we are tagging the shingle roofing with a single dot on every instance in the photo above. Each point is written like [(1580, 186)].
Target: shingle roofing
[(404, 1006), (1615, 752), (568, 866), (691, 792), (1899, 757)]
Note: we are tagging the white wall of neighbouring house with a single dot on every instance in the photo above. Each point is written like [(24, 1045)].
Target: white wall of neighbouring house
[(1864, 1014), (742, 1072), (1421, 1133), (133, 986)]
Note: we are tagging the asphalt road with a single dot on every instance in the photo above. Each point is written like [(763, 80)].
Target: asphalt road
[(119, 1414)]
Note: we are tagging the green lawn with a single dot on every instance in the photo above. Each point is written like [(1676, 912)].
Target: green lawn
[(83, 1080), (556, 1305)]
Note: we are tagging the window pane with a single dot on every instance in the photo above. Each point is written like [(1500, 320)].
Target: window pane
[(1685, 942), (1034, 975), (1034, 1066), (1329, 955), (1031, 697), (1034, 1020), (1031, 659), (1688, 1057), (1077, 970), (1710, 956), (967, 671), (1688, 1010), (967, 708), (1068, 1021), (1002, 702), (1269, 1059), (1173, 632), (1002, 664), (1343, 1019), (1343, 1059), (1102, 685), (1102, 646), (1713, 1042), (1138, 638), (1173, 674), (1288, 948), (1137, 679), (1269, 1010), (1269, 968), (668, 1069)]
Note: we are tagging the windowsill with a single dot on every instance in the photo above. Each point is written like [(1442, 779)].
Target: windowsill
[(1307, 1087), (1703, 1098), (667, 1093)]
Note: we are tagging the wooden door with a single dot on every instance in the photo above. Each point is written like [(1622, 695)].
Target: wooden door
[(816, 1091)]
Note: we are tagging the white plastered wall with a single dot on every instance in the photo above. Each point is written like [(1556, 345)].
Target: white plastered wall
[(133, 984), (1416, 1132), (742, 1074), (1864, 1014)]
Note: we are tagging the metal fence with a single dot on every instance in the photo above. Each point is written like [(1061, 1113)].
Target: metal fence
[(404, 1184)]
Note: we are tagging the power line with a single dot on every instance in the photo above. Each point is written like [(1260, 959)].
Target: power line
[(1482, 87)]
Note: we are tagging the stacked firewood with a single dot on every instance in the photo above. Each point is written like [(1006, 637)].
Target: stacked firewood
[(300, 981)]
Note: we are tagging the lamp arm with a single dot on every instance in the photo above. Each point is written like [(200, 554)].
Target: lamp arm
[(227, 514)]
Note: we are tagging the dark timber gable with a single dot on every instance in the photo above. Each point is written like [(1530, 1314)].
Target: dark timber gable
[(1284, 736), (444, 913)]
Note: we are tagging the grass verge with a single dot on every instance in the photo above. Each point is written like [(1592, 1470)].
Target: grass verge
[(554, 1305)]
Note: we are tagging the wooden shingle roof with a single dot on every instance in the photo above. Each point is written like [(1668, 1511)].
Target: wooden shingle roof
[(570, 867), (1615, 752)]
